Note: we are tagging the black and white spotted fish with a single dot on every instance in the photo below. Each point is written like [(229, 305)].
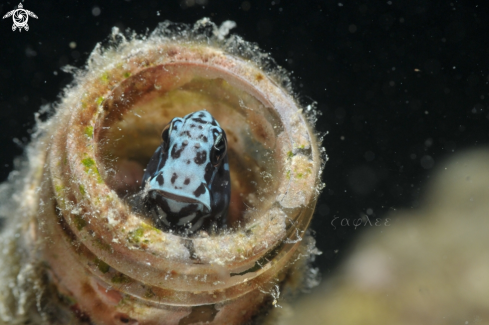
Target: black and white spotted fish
[(187, 182)]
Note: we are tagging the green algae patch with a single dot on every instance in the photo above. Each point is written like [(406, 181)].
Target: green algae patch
[(79, 222), (90, 166), (88, 162), (102, 266), (102, 245), (127, 74), (58, 189), (149, 294), (120, 279), (82, 189), (305, 173), (105, 77), (89, 131), (135, 236)]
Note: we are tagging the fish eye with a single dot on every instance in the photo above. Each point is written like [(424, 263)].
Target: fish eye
[(219, 149)]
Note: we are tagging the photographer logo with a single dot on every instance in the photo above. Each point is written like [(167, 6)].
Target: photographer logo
[(20, 17)]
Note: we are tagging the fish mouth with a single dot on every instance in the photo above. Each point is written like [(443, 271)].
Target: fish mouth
[(181, 198)]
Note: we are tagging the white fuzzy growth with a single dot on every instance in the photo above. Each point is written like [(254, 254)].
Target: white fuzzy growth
[(224, 29), (22, 287)]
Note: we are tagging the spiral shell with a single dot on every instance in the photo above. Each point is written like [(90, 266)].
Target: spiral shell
[(91, 258)]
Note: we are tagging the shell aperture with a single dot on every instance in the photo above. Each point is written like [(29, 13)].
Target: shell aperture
[(187, 182)]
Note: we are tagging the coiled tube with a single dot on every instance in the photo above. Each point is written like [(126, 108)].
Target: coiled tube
[(108, 265)]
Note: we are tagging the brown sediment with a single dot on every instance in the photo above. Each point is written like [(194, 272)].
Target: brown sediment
[(112, 262)]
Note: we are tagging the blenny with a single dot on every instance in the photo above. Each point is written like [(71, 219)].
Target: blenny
[(187, 183)]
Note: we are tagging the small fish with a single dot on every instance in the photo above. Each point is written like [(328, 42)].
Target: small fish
[(187, 182)]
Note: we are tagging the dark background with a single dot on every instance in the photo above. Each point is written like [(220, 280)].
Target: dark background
[(401, 84)]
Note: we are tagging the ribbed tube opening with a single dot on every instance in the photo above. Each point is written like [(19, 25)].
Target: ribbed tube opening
[(109, 126), (129, 131), (115, 129)]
